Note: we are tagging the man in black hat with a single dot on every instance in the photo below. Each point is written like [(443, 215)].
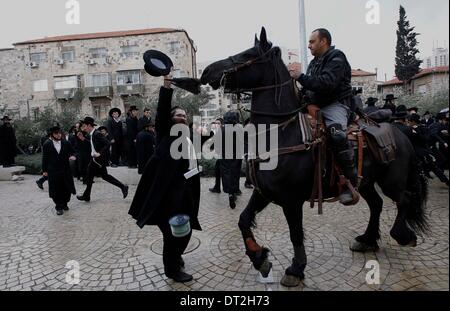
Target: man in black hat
[(439, 140), (399, 120), (115, 130), (412, 110), (420, 138), (99, 160), (165, 190), (56, 154), (8, 143), (427, 119), (145, 144), (389, 103), (132, 131), (83, 152), (145, 119), (370, 105)]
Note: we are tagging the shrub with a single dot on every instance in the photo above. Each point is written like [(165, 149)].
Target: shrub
[(32, 163)]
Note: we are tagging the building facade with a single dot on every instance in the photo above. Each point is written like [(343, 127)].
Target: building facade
[(438, 59), (89, 72)]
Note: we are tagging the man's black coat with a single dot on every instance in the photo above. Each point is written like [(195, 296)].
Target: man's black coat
[(145, 146), (163, 191)]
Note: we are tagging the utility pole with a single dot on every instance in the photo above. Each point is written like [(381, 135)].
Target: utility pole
[(302, 31)]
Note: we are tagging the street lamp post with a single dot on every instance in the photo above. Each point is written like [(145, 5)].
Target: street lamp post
[(302, 32)]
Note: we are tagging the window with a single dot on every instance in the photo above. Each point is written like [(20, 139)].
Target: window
[(129, 77), (38, 57), (98, 53), (67, 82), (98, 80), (173, 46), (40, 86), (68, 55), (36, 113), (422, 89), (129, 51)]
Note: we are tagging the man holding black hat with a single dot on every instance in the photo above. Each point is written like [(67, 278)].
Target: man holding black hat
[(132, 131), (99, 160), (145, 144), (56, 154), (115, 131), (8, 143)]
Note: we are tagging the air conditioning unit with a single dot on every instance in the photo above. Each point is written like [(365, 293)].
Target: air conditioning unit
[(33, 64), (59, 62), (91, 62)]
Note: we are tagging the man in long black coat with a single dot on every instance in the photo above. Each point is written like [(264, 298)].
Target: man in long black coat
[(132, 131), (164, 192), (115, 130), (99, 160), (144, 120), (56, 154), (145, 145), (8, 143)]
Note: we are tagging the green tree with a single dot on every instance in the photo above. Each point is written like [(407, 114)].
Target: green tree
[(190, 102), (407, 65)]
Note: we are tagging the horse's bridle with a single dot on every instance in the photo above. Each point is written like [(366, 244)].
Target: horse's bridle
[(239, 65)]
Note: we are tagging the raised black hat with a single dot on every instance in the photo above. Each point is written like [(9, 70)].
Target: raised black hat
[(157, 63)]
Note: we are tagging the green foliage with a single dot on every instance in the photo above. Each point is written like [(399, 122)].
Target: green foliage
[(47, 119), (190, 102), (406, 62), (27, 132), (433, 104), (32, 163)]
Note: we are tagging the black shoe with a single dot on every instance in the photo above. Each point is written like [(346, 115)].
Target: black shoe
[(125, 191), (83, 198), (179, 276), (59, 212), (66, 208), (248, 185), (214, 190), (39, 184), (232, 201)]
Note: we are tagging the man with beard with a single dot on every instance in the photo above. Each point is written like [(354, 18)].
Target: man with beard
[(145, 145), (115, 130), (56, 154), (99, 160), (165, 190), (7, 143), (132, 131)]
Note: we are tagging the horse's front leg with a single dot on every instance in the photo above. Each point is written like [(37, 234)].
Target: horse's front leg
[(257, 254), (295, 273)]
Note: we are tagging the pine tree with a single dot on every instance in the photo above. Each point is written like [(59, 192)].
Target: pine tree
[(407, 65)]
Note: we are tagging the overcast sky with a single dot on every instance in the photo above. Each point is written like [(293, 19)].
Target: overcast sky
[(222, 28)]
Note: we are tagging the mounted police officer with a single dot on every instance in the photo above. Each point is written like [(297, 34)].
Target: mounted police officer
[(328, 85)]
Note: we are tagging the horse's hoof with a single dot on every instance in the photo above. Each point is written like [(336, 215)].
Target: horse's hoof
[(265, 268), (363, 247), (290, 280)]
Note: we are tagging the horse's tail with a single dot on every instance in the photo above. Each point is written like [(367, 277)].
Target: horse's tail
[(417, 196)]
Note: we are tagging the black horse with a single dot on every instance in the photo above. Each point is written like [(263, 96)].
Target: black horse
[(261, 70)]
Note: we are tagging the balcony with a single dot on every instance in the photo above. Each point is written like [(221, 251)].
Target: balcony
[(99, 91), (66, 93), (130, 89)]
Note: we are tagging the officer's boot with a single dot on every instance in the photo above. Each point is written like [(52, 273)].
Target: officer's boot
[(345, 155)]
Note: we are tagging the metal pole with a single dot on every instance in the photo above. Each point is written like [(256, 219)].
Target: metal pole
[(302, 31)]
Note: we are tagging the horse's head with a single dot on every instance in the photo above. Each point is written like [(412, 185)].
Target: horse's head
[(245, 70)]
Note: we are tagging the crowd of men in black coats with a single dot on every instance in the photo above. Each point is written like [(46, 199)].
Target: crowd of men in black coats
[(427, 133)]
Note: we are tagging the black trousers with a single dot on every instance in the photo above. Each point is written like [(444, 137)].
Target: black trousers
[(116, 151), (94, 170), (43, 179), (173, 248), (132, 156), (217, 174), (62, 197)]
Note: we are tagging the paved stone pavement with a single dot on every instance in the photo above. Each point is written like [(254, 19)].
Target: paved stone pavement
[(114, 254)]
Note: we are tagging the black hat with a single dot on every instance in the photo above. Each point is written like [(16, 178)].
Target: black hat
[(441, 116), (157, 63), (115, 110), (426, 112), (133, 108), (54, 129), (102, 128), (400, 112), (414, 118), (390, 97), (371, 101), (413, 109), (89, 121), (6, 117)]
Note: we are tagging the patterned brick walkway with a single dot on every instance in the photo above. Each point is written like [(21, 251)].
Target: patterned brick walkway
[(114, 254)]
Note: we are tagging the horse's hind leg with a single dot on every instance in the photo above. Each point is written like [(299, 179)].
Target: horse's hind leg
[(295, 273), (256, 253), (400, 230), (368, 241)]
